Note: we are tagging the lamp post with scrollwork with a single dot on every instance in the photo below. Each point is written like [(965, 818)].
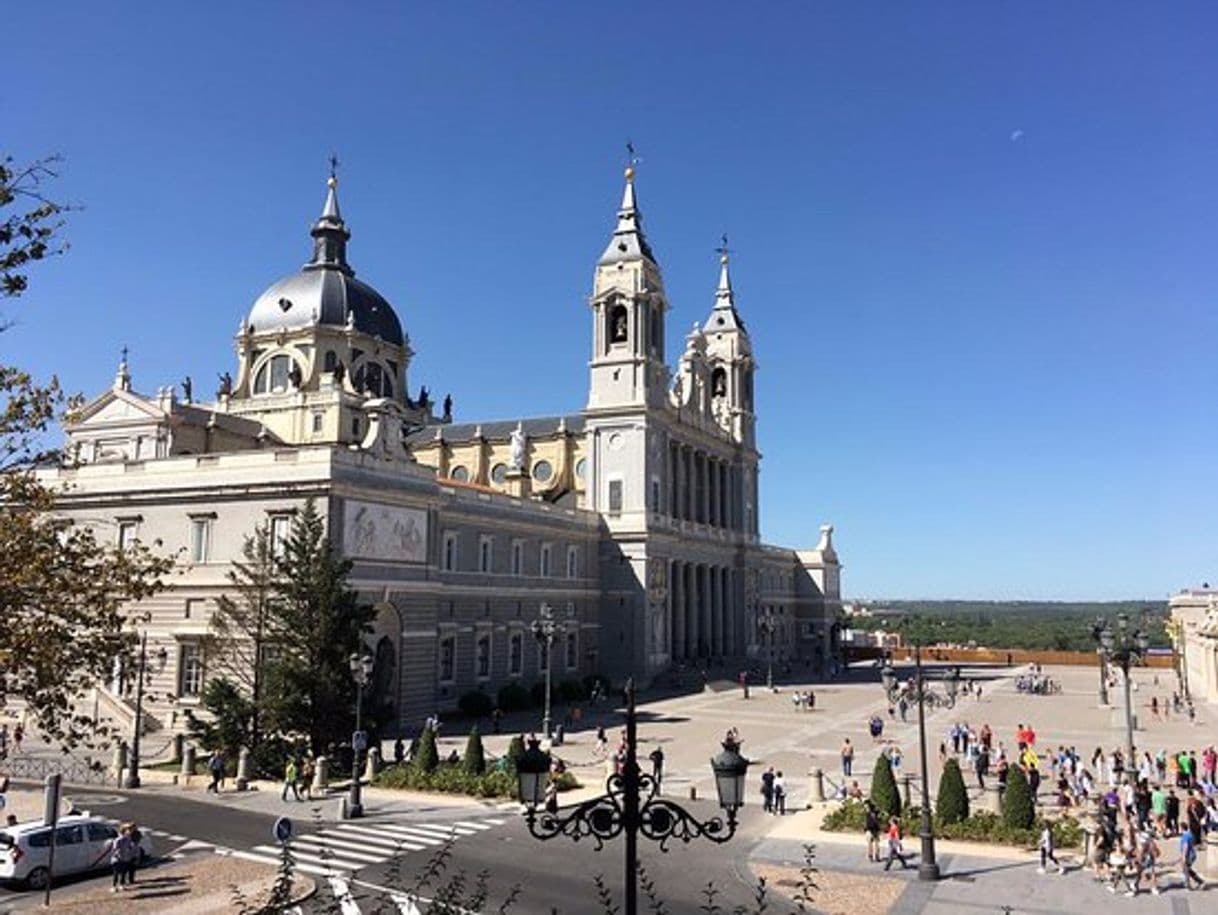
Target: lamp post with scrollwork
[(767, 624), (162, 658), (1124, 647), (546, 629), (631, 805)]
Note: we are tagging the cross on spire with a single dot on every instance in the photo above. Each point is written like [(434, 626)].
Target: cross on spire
[(723, 250), (333, 166)]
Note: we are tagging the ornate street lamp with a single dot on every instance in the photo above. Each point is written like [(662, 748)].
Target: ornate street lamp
[(767, 624), (162, 658), (361, 672), (1124, 648), (631, 805), (546, 629), (1097, 633)]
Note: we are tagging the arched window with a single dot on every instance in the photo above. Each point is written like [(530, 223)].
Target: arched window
[(619, 324), (273, 377), (384, 674), (719, 383)]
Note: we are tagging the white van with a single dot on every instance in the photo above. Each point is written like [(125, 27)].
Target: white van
[(81, 844)]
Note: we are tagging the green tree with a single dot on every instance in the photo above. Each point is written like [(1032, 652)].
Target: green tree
[(952, 804), (65, 595), (244, 625), (1018, 811), (515, 751), (227, 725), (318, 624), (474, 760), (884, 793), (427, 758)]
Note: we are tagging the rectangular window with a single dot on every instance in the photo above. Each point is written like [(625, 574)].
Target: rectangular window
[(449, 560), (615, 497), (318, 419), (572, 562), (126, 534), (194, 609), (281, 527), (200, 539), (516, 654), (190, 670), (448, 657), (544, 569), (517, 558), (572, 650), (483, 660), (485, 555)]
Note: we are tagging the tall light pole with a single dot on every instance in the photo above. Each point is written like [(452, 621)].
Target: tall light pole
[(1124, 647), (361, 672), (162, 656), (1097, 634), (928, 867), (768, 624), (545, 629)]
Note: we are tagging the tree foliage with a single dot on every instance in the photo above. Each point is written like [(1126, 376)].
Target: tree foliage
[(884, 793), (1018, 811), (952, 804), (229, 712), (428, 755), (65, 592), (474, 760)]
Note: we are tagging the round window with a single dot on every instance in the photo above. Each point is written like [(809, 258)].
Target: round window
[(542, 471), (499, 473), (581, 468), (460, 474)]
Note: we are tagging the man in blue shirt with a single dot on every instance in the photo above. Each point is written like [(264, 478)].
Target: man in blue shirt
[(1188, 857)]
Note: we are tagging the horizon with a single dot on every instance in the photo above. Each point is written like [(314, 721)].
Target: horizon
[(972, 245)]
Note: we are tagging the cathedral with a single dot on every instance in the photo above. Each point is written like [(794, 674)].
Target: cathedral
[(634, 521)]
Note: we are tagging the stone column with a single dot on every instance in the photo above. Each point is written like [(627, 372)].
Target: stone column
[(673, 495), (717, 609), (677, 586), (693, 630), (687, 489), (725, 493), (714, 492), (705, 506)]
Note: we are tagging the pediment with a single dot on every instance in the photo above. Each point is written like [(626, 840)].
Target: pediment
[(117, 408)]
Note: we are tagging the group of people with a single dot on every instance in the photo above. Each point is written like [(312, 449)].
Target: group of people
[(803, 701), (1037, 684), (773, 792), (1127, 847), (124, 853)]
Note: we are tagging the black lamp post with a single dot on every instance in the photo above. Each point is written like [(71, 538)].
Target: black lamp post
[(928, 867), (162, 658), (1097, 631), (767, 624), (361, 672), (545, 629), (1124, 647), (631, 805)]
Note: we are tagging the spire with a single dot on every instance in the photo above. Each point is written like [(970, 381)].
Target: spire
[(122, 378), (628, 242), (330, 233), (724, 314)]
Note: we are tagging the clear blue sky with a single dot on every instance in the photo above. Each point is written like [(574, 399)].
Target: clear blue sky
[(976, 242)]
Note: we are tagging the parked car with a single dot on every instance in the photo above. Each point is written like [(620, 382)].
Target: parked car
[(81, 843)]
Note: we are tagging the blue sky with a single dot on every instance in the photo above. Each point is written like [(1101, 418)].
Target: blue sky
[(975, 242)]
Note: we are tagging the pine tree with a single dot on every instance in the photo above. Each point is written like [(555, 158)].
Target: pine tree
[(474, 760), (1018, 811), (884, 792), (952, 805), (428, 757)]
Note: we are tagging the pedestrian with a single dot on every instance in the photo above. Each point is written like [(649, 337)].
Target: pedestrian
[(1188, 857), (307, 772), (876, 727), (780, 794), (291, 780), (1046, 850), (1147, 859), (767, 790), (551, 800), (981, 764), (215, 765), (896, 852), (657, 766), (119, 850), (871, 826), (399, 751), (602, 741), (133, 852), (847, 758), (496, 719), (18, 736), (1173, 812), (3, 740)]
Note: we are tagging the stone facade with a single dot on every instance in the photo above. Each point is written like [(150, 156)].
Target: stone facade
[(1194, 631), (635, 519)]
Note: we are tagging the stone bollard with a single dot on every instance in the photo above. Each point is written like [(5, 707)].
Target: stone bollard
[(373, 765), (188, 761), (243, 769), (120, 761), (906, 796), (342, 807), (179, 741), (993, 799), (321, 775), (560, 734), (693, 792), (818, 785)]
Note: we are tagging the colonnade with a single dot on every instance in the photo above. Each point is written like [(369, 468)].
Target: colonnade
[(702, 488), (702, 611)]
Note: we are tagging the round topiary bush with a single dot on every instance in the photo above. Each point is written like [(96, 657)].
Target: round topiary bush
[(884, 792), (952, 806), (475, 704), (428, 757), (474, 760), (1018, 811), (515, 751), (514, 698)]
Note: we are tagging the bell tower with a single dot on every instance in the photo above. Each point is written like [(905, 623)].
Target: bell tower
[(628, 311), (729, 355)]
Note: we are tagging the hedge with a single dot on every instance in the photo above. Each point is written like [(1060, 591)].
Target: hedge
[(451, 778), (982, 826), (475, 704)]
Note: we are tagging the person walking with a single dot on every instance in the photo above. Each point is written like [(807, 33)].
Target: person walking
[(215, 765), (767, 790), (291, 780), (657, 766), (847, 758), (1046, 850), (896, 852), (307, 772), (871, 826), (780, 794)]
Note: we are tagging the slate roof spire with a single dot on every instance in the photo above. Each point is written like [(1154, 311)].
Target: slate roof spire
[(330, 233)]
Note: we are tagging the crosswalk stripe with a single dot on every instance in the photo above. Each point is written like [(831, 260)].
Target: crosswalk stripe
[(444, 831), (472, 825), (334, 863), (494, 821), (363, 843), (409, 833), (389, 835), (301, 866), (309, 843)]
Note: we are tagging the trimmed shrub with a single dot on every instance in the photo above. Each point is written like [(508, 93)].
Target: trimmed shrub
[(571, 691), (474, 760), (515, 751), (475, 704), (884, 793), (453, 779), (428, 757), (952, 805), (1018, 811), (514, 698)]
